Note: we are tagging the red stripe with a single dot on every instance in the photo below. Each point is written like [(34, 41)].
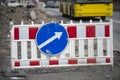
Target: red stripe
[(91, 60), (107, 31), (32, 32), (72, 31), (17, 64), (72, 61), (16, 33), (90, 31), (34, 63), (107, 60), (53, 62)]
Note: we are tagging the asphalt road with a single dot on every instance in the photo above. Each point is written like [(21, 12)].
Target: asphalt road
[(116, 30)]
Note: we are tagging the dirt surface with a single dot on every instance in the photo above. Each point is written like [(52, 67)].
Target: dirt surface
[(65, 73)]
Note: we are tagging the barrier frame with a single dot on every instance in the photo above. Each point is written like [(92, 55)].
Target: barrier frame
[(61, 60)]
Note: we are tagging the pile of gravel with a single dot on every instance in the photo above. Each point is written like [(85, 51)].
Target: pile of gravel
[(19, 14)]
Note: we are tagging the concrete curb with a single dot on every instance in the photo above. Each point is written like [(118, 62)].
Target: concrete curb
[(14, 73)]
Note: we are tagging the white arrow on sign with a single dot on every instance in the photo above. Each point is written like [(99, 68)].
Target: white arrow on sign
[(57, 35)]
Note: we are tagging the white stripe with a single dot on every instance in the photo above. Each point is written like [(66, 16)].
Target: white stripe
[(63, 62), (81, 31), (44, 62), (24, 63), (24, 33), (101, 60), (100, 31), (82, 61)]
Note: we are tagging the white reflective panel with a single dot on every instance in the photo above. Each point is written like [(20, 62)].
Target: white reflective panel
[(44, 62), (24, 33), (100, 60), (24, 63), (82, 61), (81, 31), (63, 62), (100, 31)]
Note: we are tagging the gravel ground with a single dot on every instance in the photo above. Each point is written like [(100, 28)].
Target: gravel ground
[(64, 73)]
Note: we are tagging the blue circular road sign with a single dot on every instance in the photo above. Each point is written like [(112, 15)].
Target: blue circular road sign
[(51, 38)]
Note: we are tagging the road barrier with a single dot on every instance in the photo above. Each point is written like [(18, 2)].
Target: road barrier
[(89, 43)]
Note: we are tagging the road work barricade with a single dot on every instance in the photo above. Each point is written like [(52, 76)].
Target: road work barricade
[(88, 44)]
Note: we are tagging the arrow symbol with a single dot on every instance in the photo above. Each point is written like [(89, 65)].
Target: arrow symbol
[(56, 36)]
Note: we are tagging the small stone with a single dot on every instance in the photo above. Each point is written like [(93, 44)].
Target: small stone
[(107, 76), (33, 15)]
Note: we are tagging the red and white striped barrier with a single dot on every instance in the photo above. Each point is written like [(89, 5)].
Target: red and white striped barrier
[(89, 44), (62, 62), (92, 31)]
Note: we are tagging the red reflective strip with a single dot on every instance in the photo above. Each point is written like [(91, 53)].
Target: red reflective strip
[(34, 63), (90, 31), (16, 33), (17, 64), (91, 60), (53, 62), (72, 32), (32, 32), (72, 61), (107, 31), (107, 60)]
